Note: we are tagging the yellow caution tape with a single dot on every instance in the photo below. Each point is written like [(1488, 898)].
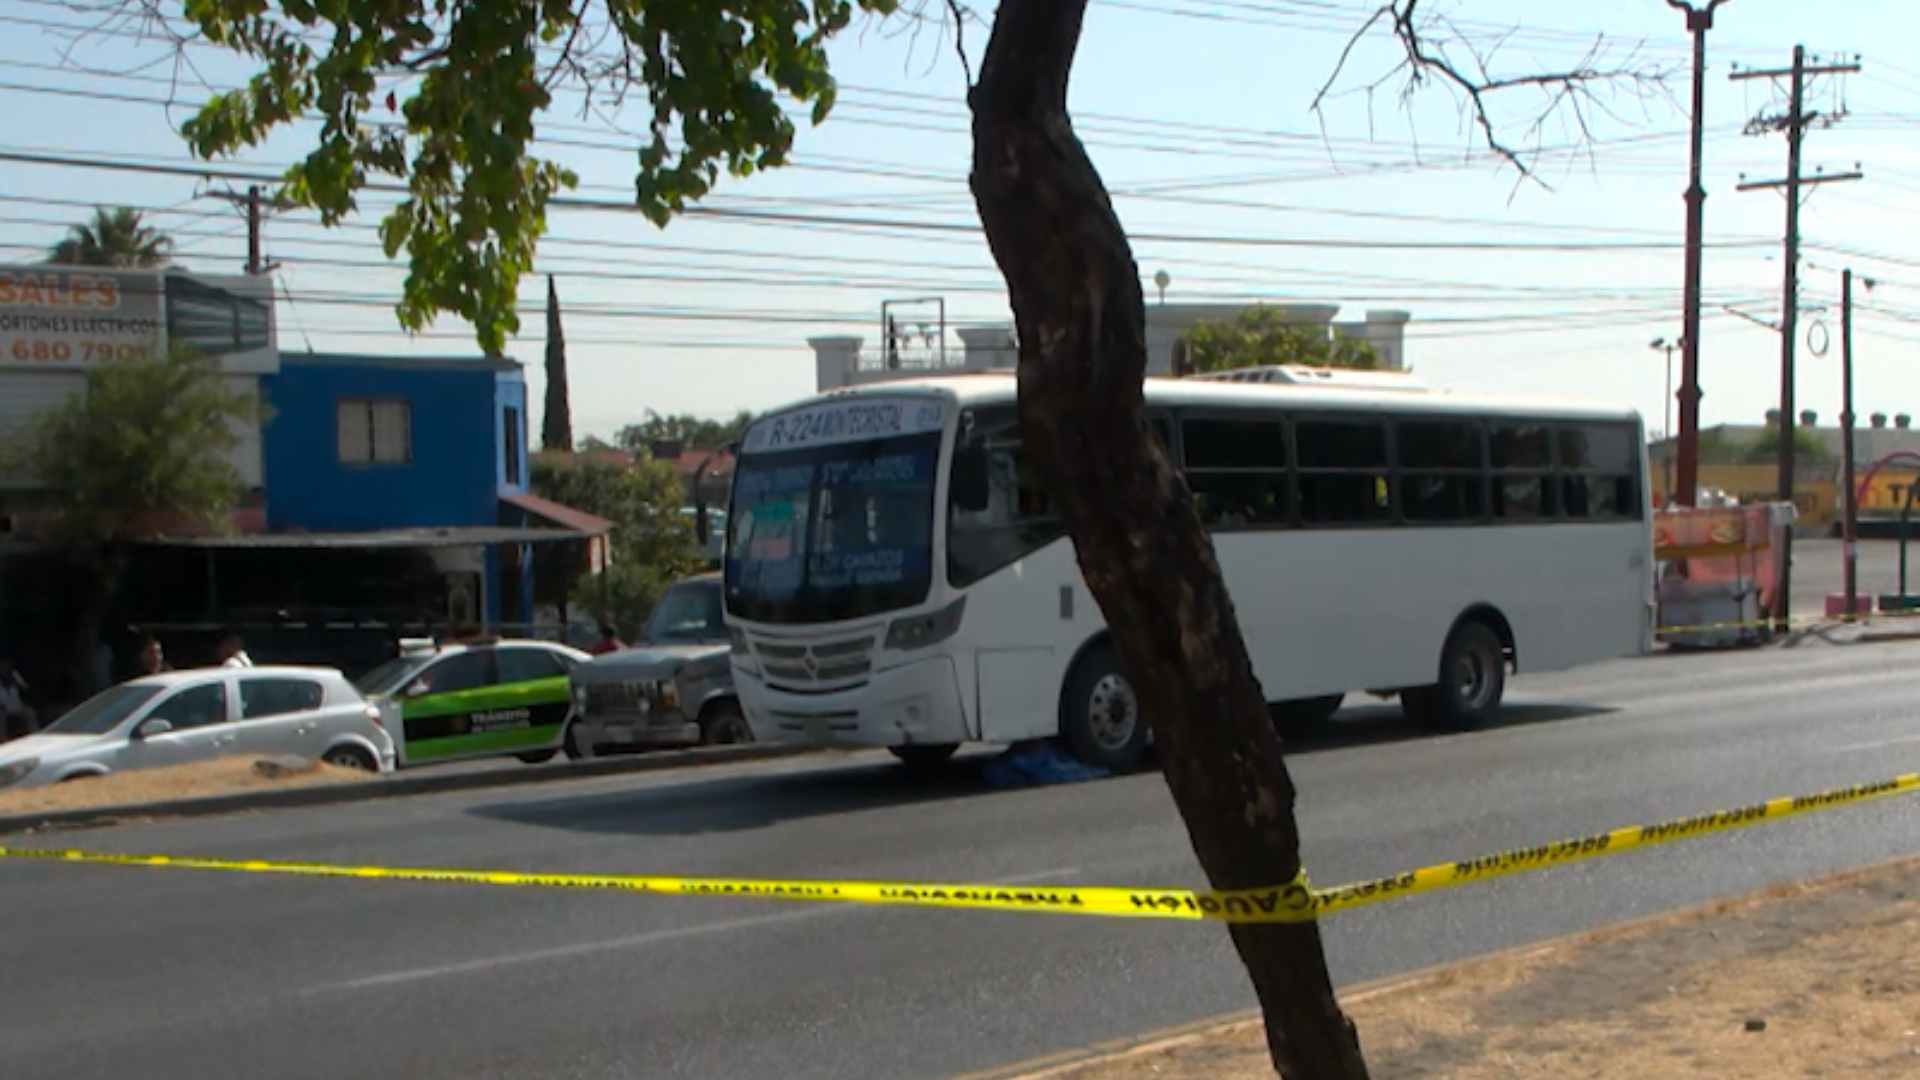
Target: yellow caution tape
[(1599, 845), (1296, 901)]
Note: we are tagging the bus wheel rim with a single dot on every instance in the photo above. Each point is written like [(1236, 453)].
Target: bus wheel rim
[(1113, 712), (1473, 676)]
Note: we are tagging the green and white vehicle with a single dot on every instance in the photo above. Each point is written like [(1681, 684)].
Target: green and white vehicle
[(475, 699)]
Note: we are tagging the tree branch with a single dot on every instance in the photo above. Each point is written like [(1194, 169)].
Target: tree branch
[(959, 38), (1424, 57)]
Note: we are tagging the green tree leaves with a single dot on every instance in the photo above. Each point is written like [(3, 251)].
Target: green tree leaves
[(652, 542), (471, 78), (1262, 336), (115, 237), (697, 433), (148, 437)]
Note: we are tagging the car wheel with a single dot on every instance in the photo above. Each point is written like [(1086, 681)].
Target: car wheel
[(923, 757), (350, 757), (1473, 678), (537, 757), (1303, 718), (1101, 716), (724, 724)]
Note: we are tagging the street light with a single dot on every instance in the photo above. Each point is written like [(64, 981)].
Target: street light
[(1699, 21), (1657, 344)]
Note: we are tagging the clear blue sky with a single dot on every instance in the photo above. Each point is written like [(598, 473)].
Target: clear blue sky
[(1197, 113)]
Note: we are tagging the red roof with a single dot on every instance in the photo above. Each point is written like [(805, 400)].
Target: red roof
[(689, 462), (564, 516)]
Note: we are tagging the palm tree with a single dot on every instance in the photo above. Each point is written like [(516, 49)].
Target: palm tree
[(117, 237)]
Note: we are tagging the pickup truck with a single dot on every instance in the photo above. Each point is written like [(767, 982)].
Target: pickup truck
[(673, 688)]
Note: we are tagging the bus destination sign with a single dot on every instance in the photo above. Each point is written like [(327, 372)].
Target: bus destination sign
[(844, 422)]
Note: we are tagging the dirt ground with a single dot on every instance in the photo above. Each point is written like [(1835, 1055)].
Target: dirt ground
[(1813, 980), (222, 776)]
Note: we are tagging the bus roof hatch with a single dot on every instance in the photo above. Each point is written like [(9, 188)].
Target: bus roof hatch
[(1303, 375)]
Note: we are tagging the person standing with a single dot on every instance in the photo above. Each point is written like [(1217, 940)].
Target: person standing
[(609, 642), (151, 659), (17, 718), (233, 651)]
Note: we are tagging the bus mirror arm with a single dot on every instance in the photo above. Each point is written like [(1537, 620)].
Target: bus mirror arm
[(972, 490)]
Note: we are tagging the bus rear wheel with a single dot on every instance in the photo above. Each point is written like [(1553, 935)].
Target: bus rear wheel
[(1473, 679), (1101, 715)]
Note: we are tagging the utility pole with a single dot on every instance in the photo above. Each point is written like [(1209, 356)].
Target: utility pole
[(1846, 433), (253, 229), (251, 200), (1687, 447), (1794, 122)]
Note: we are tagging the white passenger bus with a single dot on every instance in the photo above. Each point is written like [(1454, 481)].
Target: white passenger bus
[(895, 576)]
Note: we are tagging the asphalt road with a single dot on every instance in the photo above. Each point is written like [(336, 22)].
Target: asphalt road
[(114, 972)]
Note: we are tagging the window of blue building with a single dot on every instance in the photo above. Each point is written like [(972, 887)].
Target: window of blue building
[(374, 432), (512, 443)]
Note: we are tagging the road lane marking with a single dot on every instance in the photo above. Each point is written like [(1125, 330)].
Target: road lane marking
[(651, 937), (1876, 745)]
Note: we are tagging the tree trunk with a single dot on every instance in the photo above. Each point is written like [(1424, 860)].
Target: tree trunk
[(1077, 304)]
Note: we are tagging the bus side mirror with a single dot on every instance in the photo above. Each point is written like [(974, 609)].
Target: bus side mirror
[(972, 490), (701, 530)]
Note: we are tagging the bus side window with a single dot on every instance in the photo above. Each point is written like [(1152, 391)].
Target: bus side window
[(1237, 471), (1019, 518), (1600, 473), (1442, 475), (1523, 480), (1344, 478)]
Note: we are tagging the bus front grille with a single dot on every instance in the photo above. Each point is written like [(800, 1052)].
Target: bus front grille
[(827, 665)]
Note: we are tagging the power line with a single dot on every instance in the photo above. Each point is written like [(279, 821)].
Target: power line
[(1119, 191), (908, 225)]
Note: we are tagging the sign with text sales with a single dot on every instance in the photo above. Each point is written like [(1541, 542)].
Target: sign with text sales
[(60, 317), (76, 317)]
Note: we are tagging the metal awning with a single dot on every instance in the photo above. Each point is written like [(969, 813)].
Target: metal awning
[(427, 537), (566, 517)]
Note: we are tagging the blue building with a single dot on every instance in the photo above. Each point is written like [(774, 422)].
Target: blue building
[(423, 454)]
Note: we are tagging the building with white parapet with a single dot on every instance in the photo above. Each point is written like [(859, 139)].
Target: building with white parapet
[(846, 360)]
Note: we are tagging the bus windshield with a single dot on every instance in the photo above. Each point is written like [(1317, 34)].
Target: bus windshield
[(832, 532)]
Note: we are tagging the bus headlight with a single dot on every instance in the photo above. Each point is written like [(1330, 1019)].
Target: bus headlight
[(738, 638), (921, 631)]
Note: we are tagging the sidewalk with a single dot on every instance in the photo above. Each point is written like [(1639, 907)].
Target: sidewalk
[(1818, 979)]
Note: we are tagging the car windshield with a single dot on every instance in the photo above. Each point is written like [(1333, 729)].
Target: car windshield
[(832, 533), (687, 613), (389, 675), (104, 711)]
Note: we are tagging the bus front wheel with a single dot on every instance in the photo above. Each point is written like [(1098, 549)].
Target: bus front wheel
[(1101, 716)]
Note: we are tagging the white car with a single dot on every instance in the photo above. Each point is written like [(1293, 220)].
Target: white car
[(185, 716)]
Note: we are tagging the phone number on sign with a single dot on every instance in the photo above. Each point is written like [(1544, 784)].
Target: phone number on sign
[(40, 351)]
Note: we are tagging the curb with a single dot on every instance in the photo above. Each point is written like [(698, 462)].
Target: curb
[(406, 783), (1048, 1066)]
